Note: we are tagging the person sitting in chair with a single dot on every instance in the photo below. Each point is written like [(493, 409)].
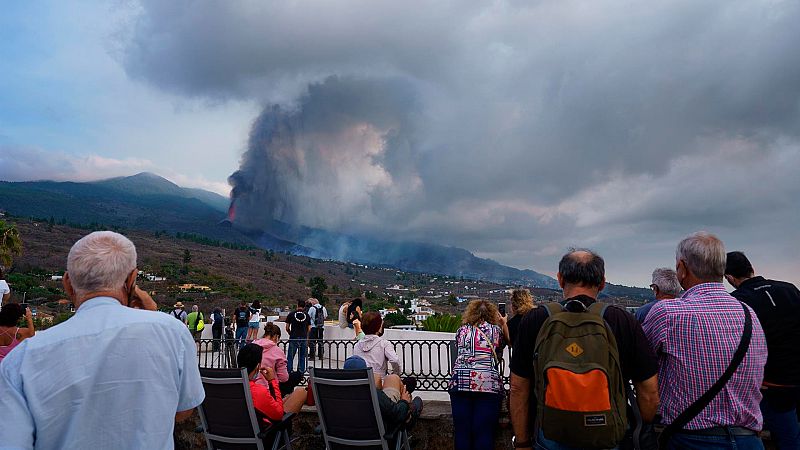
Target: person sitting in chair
[(269, 405), (397, 407)]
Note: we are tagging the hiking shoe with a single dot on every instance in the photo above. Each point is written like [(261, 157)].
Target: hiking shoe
[(416, 411), (410, 383)]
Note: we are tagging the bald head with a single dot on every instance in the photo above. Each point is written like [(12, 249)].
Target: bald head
[(581, 267)]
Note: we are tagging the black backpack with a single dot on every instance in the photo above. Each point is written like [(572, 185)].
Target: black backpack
[(319, 316)]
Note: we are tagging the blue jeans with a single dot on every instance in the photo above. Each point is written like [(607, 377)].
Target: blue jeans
[(241, 335), (475, 416), (546, 444), (779, 408), (297, 345), (693, 442)]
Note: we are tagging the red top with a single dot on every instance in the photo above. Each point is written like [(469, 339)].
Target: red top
[(264, 402)]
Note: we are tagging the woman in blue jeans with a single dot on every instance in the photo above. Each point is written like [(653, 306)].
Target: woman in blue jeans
[(476, 389)]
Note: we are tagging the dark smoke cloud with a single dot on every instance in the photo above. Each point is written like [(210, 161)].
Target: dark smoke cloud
[(343, 151), (512, 128)]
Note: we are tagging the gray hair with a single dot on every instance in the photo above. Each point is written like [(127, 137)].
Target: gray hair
[(704, 255), (667, 281), (100, 261), (195, 308)]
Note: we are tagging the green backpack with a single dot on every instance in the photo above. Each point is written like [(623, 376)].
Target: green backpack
[(579, 387)]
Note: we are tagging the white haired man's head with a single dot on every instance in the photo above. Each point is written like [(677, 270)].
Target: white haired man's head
[(100, 262), (665, 283), (700, 258)]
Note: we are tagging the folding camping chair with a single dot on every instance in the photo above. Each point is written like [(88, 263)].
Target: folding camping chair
[(229, 418), (347, 404)]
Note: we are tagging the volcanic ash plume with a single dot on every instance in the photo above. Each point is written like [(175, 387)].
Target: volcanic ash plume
[(344, 155)]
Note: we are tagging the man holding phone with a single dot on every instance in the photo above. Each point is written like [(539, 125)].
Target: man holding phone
[(130, 360)]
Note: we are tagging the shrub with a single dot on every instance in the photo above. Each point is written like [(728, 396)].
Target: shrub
[(442, 322), (393, 319)]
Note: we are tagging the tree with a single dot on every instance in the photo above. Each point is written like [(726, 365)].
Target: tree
[(11, 243), (187, 256), (301, 279), (452, 300), (318, 287), (393, 319)]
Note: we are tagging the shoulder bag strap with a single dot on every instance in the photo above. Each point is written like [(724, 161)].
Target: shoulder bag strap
[(491, 345), (701, 403)]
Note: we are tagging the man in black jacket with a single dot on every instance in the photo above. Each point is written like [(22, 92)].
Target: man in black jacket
[(777, 305)]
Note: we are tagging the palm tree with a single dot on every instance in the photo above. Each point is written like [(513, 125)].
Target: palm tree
[(10, 244)]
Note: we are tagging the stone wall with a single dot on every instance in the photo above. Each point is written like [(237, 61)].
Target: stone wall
[(433, 431)]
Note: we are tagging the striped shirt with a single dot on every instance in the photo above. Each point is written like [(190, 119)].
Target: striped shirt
[(695, 337)]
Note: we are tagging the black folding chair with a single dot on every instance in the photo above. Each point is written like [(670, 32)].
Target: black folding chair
[(347, 404), (229, 418)]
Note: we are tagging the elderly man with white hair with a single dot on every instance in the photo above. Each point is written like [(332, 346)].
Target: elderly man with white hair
[(711, 353), (665, 286), (115, 375)]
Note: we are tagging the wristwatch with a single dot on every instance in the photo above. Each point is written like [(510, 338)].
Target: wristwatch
[(523, 444)]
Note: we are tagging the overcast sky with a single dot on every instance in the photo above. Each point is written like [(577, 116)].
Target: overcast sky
[(513, 129)]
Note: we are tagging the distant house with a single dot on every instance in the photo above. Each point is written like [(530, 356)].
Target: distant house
[(151, 277), (57, 277), (420, 317), (193, 287), (384, 312)]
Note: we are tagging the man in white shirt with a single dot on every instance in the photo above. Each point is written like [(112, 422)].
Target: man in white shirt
[(115, 375), (5, 291)]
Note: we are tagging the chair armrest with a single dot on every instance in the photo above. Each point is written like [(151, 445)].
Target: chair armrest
[(277, 425)]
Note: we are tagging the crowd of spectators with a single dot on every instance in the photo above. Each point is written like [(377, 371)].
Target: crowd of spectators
[(696, 367)]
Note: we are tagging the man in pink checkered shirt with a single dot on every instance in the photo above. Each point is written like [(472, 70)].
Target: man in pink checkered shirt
[(695, 337)]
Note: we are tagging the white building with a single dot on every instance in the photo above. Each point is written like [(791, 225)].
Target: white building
[(386, 311), (421, 316)]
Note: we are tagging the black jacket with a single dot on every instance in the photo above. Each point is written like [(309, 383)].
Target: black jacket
[(777, 305)]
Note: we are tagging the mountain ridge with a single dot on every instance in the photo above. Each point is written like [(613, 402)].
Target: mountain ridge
[(150, 202)]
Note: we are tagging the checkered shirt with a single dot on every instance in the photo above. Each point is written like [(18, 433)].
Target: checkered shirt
[(695, 337)]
